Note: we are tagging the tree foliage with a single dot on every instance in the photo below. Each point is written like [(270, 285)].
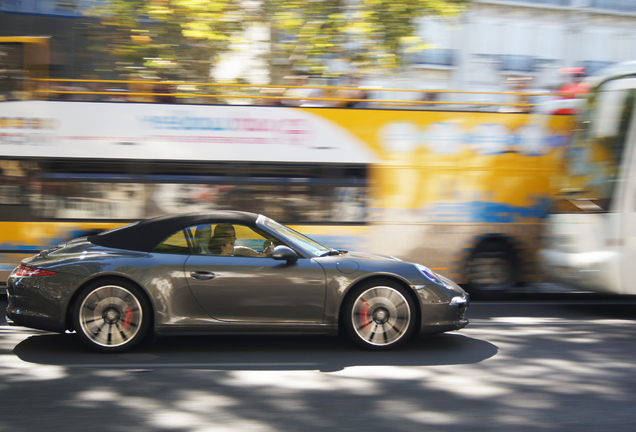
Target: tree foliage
[(369, 33), (169, 38), (183, 38)]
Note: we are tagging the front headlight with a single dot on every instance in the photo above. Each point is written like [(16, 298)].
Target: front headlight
[(429, 274), (459, 301)]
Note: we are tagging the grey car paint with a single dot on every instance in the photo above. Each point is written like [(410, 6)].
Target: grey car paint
[(295, 292), (245, 289), (198, 293)]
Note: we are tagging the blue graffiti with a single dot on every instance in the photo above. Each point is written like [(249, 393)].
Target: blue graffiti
[(487, 212)]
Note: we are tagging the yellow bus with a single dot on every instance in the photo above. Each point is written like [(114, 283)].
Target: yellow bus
[(464, 187)]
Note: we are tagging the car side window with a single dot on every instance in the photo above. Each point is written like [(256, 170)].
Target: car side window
[(247, 238), (201, 235), (229, 239), (175, 244)]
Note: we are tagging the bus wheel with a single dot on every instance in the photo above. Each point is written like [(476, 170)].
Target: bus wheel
[(492, 268)]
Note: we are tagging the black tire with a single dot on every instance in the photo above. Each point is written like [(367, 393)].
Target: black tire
[(111, 315), (379, 315), (492, 269)]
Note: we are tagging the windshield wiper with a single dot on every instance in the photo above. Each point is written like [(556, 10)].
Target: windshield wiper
[(333, 252)]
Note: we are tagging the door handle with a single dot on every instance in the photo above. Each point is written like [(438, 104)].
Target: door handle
[(202, 275)]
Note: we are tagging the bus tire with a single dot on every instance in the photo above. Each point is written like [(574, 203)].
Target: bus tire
[(492, 268)]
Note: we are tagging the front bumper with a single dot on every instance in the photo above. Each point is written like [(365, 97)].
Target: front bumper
[(440, 317), (449, 318)]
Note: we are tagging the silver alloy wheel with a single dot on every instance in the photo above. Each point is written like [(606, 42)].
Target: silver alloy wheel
[(110, 316), (381, 316)]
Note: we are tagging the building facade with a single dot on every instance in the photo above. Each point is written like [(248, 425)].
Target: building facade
[(495, 42), (491, 46)]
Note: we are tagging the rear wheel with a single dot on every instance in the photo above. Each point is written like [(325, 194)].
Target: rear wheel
[(111, 316), (379, 315)]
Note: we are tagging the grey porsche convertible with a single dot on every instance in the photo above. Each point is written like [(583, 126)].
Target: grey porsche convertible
[(225, 272)]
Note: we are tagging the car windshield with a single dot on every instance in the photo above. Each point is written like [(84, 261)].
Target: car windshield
[(306, 243)]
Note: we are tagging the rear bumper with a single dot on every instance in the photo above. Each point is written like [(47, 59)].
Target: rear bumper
[(30, 304), (18, 317)]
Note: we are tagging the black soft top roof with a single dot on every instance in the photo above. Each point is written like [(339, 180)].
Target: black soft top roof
[(145, 235)]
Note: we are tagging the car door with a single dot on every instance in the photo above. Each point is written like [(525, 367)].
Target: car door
[(249, 286), (258, 289)]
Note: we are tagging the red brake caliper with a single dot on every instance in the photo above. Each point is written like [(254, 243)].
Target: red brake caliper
[(364, 313), (128, 315)]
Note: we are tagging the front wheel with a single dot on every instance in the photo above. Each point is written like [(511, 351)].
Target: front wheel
[(379, 315), (111, 316)]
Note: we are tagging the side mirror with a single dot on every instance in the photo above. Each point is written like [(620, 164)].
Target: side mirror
[(284, 253)]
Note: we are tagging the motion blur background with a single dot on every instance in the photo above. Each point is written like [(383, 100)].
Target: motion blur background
[(187, 105), (438, 45), (444, 144)]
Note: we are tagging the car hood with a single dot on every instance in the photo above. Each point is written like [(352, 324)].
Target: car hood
[(351, 262), (367, 256)]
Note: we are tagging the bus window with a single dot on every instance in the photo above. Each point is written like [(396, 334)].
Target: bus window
[(77, 190), (11, 71), (23, 59)]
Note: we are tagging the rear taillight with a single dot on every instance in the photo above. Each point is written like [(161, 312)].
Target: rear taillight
[(24, 271)]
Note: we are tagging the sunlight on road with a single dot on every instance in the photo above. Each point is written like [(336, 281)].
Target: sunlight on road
[(286, 381), (16, 370), (584, 370), (190, 410), (529, 370), (411, 411)]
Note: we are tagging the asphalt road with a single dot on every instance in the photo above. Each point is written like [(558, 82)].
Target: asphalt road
[(556, 361)]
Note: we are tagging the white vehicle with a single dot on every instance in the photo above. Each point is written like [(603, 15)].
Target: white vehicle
[(591, 237)]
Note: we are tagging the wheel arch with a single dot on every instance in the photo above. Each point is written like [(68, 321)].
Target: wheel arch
[(70, 308)]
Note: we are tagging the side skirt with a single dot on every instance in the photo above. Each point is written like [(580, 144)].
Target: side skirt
[(242, 328)]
